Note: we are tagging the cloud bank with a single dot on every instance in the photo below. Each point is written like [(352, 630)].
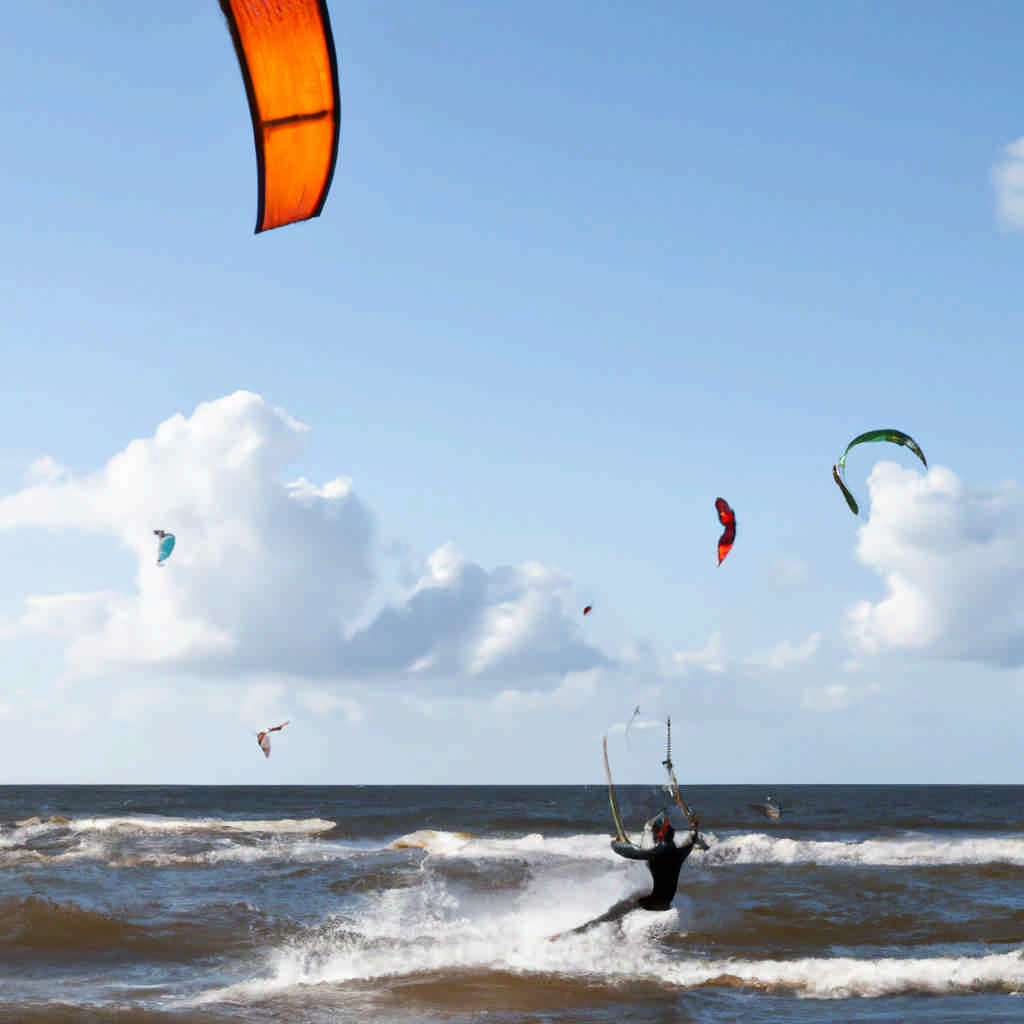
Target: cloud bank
[(952, 560), (272, 576)]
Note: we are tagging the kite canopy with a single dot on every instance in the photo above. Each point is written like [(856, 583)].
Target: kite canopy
[(727, 518), (286, 53), (263, 737), (586, 611), (886, 434), (165, 547)]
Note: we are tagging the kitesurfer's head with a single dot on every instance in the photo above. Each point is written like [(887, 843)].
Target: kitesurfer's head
[(662, 828)]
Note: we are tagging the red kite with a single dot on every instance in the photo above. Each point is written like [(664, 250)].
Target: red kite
[(263, 739), (727, 518)]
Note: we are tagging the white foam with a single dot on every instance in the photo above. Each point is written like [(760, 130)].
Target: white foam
[(272, 826), (759, 848), (105, 839), (431, 930), (303, 851), (441, 844), (438, 927), (747, 848), (437, 843), (442, 926), (842, 977)]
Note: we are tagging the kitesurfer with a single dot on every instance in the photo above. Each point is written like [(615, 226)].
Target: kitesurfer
[(664, 861), (771, 808)]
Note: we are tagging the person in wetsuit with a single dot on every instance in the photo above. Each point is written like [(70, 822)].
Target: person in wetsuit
[(664, 861)]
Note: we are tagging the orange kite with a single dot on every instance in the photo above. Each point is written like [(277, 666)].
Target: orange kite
[(286, 53)]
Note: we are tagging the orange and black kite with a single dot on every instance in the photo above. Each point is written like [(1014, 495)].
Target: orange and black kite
[(286, 53), (727, 518)]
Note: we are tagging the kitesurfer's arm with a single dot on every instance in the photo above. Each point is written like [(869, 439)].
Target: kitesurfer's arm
[(632, 852), (693, 838)]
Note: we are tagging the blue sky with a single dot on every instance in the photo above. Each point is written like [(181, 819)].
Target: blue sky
[(581, 271)]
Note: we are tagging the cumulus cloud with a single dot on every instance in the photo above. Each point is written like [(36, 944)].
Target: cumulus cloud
[(264, 572), (66, 614), (712, 684), (576, 689), (952, 559), (278, 577), (460, 621), (45, 470), (1008, 179)]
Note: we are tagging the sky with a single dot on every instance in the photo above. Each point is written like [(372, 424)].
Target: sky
[(582, 270)]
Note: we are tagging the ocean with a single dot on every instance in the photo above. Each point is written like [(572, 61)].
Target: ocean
[(173, 905)]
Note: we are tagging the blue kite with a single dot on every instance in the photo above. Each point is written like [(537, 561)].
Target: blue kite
[(165, 547)]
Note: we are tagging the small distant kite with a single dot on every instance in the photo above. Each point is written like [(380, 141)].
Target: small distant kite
[(286, 53), (636, 711), (727, 518), (888, 434), (586, 611), (263, 738), (164, 547)]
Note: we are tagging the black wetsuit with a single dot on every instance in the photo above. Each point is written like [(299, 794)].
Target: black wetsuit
[(664, 862)]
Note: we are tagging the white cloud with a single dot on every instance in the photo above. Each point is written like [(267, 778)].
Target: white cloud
[(1008, 179), (45, 470), (462, 623), (66, 614), (640, 724), (709, 658), (576, 689), (274, 577), (952, 558), (785, 655)]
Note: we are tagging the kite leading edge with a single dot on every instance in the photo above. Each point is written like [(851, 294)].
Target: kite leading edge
[(287, 58), (886, 434)]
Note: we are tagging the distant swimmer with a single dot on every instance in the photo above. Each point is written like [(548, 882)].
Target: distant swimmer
[(770, 808), (664, 861), (263, 738)]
